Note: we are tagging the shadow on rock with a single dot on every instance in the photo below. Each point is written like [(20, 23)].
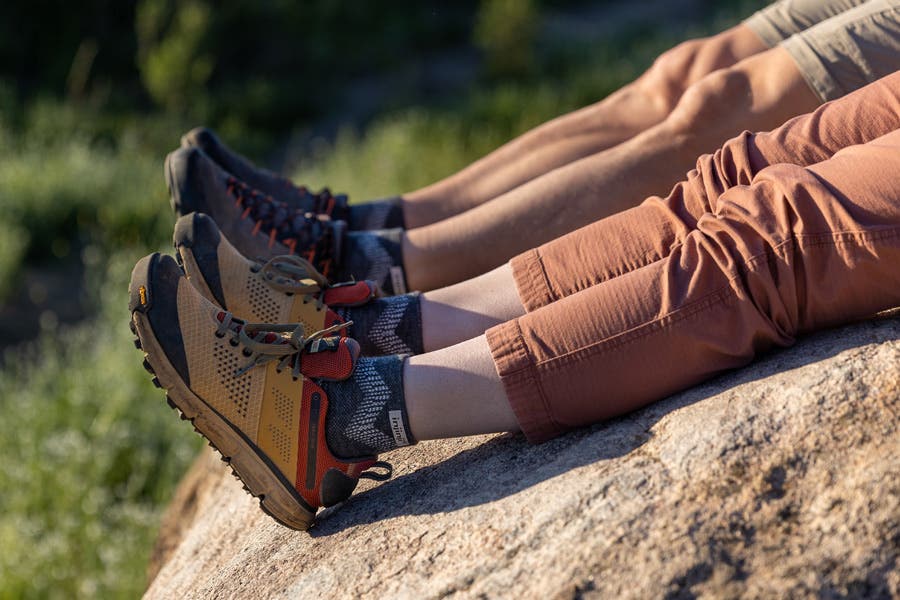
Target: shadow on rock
[(507, 464)]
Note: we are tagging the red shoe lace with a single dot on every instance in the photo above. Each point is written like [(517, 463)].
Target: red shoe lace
[(322, 202)]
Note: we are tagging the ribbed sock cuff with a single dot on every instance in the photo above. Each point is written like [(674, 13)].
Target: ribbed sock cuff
[(376, 256), (386, 213)]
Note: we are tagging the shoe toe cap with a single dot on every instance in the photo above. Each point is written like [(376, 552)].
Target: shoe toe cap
[(153, 292)]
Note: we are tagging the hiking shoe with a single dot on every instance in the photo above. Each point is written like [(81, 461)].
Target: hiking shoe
[(256, 223), (297, 197), (284, 289), (251, 390)]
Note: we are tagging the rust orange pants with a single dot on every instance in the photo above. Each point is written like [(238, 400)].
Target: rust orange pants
[(774, 235)]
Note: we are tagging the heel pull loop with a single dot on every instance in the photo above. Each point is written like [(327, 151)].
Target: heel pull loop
[(376, 475)]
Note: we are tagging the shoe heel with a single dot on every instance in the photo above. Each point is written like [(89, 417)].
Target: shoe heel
[(336, 487), (178, 165)]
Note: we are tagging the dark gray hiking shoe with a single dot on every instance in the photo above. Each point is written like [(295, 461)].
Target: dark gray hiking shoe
[(385, 213), (298, 197), (254, 222)]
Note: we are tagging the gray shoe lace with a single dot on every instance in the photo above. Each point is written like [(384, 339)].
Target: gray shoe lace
[(287, 345)]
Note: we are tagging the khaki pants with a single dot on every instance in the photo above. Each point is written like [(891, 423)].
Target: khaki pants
[(838, 45), (774, 235)]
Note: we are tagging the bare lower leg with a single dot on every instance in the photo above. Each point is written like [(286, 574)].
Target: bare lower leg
[(757, 94), (611, 121), (459, 312), (456, 392)]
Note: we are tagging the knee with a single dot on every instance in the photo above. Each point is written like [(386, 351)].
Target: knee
[(712, 102), (668, 77)]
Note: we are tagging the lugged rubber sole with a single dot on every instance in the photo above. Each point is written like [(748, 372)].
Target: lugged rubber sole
[(260, 478)]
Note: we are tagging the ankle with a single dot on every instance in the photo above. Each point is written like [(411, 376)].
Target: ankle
[(390, 325), (367, 413)]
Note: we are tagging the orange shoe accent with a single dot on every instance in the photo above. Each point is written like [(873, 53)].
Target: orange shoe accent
[(314, 459)]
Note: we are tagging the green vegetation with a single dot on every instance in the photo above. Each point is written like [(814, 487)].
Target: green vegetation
[(505, 30), (91, 451)]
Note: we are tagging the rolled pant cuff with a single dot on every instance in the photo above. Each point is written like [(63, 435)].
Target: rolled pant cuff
[(521, 383), (531, 280)]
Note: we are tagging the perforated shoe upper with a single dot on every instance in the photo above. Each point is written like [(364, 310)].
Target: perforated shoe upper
[(283, 289)]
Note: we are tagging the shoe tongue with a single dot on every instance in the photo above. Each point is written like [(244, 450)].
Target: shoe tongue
[(336, 364)]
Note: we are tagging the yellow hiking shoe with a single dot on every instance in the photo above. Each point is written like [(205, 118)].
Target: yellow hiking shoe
[(252, 390), (284, 289)]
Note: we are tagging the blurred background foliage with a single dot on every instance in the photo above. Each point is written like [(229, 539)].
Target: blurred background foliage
[(371, 98)]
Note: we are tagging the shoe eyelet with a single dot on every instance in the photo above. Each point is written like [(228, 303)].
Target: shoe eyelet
[(220, 335), (246, 353), (316, 396), (234, 343)]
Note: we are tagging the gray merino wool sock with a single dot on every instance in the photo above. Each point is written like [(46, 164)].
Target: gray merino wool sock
[(367, 412), (390, 325), (376, 256)]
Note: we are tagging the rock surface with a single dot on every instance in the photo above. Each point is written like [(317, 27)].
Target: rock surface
[(778, 480)]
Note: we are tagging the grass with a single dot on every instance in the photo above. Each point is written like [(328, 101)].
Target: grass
[(84, 187), (92, 453)]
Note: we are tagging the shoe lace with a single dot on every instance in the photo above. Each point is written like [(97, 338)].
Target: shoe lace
[(291, 274), (321, 202), (303, 233), (284, 342), (262, 344)]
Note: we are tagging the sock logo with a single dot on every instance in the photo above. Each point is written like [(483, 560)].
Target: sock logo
[(395, 418)]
